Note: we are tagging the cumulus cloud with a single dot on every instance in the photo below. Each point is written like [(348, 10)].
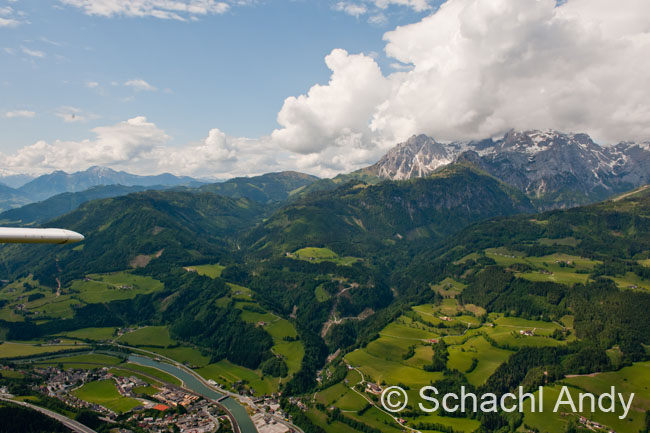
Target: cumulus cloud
[(139, 146), (338, 113), (164, 9), (474, 69), (140, 84), (19, 113), (126, 142), (471, 69)]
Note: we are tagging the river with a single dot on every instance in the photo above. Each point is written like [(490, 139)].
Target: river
[(190, 382)]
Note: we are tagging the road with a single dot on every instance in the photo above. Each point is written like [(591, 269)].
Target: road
[(70, 423), (242, 399)]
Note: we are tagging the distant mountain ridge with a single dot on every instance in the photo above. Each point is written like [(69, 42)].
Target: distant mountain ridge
[(555, 169), (42, 211), (59, 182), (267, 188)]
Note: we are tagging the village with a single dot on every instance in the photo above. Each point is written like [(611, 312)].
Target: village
[(170, 406)]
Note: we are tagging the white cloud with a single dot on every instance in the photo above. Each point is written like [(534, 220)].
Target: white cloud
[(378, 19), (336, 114), (163, 9), (141, 85), (92, 84), (7, 17), (33, 53), (139, 146), (474, 69), (377, 8), (124, 143), (352, 9), (19, 113), (416, 5)]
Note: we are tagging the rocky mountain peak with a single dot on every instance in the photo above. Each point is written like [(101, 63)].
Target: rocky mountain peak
[(417, 157), (557, 168)]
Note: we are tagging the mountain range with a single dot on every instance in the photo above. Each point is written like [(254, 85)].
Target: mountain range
[(59, 182), (554, 169), (432, 266)]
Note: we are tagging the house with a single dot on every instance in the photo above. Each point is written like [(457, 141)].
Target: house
[(373, 388)]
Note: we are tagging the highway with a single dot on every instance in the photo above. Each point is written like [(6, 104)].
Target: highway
[(70, 423)]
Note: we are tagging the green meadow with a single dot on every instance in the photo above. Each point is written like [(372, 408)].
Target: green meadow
[(633, 379), (84, 362), (559, 268), (148, 336), (105, 393), (96, 334), (226, 374), (115, 286), (551, 422), (49, 304), (448, 287), (152, 372), (461, 358), (212, 271), (317, 255), (16, 350)]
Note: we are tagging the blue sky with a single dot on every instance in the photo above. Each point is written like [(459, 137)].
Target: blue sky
[(219, 88), (232, 70)]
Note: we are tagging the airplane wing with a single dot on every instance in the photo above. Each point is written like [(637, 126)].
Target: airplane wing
[(38, 236)]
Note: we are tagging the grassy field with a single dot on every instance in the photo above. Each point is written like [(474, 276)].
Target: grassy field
[(316, 255), (183, 354), (448, 287), (105, 393), (378, 369), (226, 373), (550, 422), (148, 336), (320, 419), (334, 396), (568, 241), (631, 281), (559, 268), (18, 292), (96, 288), (87, 362), (212, 271), (635, 378), (114, 286), (96, 334), (489, 358), (126, 373), (14, 350), (153, 372), (277, 327), (458, 424)]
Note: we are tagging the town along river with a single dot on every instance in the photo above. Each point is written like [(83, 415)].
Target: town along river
[(192, 383)]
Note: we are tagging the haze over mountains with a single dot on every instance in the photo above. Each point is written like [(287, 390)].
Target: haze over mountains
[(59, 182), (555, 170)]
